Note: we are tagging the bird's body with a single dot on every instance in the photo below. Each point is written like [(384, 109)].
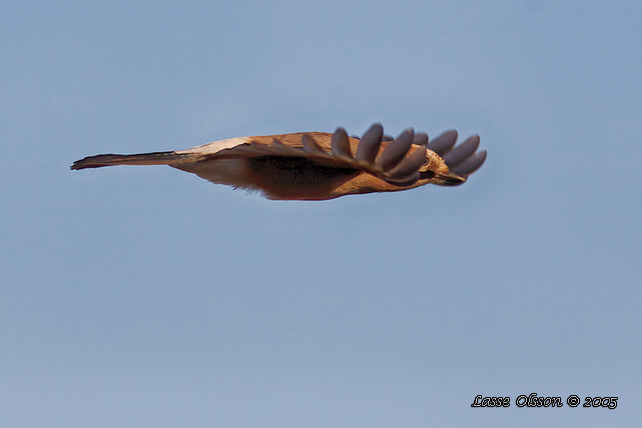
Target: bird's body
[(318, 165)]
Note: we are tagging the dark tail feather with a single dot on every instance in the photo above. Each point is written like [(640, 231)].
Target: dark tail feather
[(157, 158)]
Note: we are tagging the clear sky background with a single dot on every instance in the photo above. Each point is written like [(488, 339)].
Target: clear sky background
[(146, 297)]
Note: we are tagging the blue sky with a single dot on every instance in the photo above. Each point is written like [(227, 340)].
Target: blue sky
[(143, 296)]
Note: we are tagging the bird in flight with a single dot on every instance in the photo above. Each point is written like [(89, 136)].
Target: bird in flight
[(319, 165)]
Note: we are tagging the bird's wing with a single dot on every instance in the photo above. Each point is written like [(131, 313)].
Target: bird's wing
[(397, 161)]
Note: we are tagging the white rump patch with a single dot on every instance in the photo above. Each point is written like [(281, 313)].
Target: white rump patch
[(216, 146)]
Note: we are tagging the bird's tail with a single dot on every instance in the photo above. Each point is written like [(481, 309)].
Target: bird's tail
[(156, 158)]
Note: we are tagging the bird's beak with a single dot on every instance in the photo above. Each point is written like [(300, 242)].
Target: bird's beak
[(450, 178)]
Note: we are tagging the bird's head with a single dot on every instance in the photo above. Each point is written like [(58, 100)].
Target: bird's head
[(435, 171)]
